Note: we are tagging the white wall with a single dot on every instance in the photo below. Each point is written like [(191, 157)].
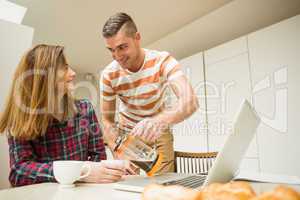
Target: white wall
[(195, 128), (228, 83), (264, 68), (14, 40), (275, 70), (12, 12)]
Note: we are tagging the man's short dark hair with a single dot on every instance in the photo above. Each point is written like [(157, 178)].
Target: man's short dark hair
[(116, 22)]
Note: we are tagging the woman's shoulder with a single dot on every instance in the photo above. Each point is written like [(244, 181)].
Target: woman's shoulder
[(84, 102), (83, 105)]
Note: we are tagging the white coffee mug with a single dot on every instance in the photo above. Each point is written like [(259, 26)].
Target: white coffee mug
[(66, 172)]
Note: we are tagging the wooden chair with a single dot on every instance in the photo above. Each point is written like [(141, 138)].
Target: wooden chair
[(194, 163)]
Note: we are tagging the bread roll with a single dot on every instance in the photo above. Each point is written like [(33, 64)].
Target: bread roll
[(228, 191), (280, 193), (217, 191)]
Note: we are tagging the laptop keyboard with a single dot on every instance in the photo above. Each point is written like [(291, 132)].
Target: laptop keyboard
[(190, 181)]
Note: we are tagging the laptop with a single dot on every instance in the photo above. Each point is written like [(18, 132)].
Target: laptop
[(225, 166)]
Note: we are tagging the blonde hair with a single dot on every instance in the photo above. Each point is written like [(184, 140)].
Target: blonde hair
[(35, 97)]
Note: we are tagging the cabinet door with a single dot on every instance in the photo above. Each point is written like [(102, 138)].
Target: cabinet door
[(191, 134), (228, 83), (15, 40), (275, 67)]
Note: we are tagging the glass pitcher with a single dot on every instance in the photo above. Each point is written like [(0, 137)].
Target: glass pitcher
[(134, 149)]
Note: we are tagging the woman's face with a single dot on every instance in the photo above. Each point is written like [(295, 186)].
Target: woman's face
[(69, 78), (65, 77)]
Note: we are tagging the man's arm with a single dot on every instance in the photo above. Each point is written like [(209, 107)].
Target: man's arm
[(186, 106), (108, 109), (151, 128)]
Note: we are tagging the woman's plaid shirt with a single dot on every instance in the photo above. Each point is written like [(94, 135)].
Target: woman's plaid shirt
[(79, 138)]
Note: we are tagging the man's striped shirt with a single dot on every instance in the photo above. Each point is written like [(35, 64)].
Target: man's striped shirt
[(141, 93)]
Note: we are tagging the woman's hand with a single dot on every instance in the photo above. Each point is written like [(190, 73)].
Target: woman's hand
[(106, 171)]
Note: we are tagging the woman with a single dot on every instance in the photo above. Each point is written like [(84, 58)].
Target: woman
[(44, 123)]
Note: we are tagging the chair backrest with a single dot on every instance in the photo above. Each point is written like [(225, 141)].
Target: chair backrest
[(194, 163)]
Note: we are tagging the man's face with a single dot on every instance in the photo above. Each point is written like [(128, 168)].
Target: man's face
[(124, 49)]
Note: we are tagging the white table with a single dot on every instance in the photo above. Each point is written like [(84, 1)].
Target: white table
[(52, 191)]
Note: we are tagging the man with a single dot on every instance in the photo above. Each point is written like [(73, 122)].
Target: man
[(139, 77)]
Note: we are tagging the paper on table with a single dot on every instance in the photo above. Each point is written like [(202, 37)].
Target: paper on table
[(265, 177)]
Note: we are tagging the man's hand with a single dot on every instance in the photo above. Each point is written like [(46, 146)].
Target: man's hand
[(149, 129)]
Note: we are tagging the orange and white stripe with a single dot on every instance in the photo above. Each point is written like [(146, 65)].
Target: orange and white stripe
[(141, 93)]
